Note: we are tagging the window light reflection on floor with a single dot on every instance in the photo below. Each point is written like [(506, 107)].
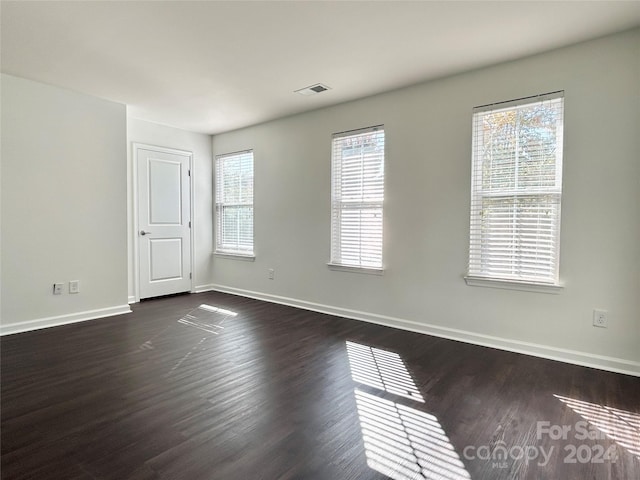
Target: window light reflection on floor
[(207, 318), (185, 357), (219, 310), (621, 426)]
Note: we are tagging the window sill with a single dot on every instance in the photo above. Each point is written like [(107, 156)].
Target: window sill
[(513, 285), (346, 268), (236, 256)]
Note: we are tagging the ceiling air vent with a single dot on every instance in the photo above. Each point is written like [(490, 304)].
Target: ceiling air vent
[(313, 89)]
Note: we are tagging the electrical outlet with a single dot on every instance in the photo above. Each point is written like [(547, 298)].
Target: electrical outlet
[(74, 286), (272, 274), (57, 288), (600, 318)]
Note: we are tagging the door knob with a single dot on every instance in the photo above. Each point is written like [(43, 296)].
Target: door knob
[(143, 233)]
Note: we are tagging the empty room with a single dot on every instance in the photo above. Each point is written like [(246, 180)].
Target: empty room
[(324, 240)]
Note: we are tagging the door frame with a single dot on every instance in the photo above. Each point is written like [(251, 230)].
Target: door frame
[(136, 227)]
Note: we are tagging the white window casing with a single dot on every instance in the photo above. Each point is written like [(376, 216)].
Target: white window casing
[(357, 196), (516, 191), (234, 204)]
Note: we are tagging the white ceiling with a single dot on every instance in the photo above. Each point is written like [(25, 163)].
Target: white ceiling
[(216, 66)]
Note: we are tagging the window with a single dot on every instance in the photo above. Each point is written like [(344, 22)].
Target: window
[(357, 194), (234, 203), (516, 190)]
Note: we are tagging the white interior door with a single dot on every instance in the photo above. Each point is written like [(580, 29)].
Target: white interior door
[(164, 223)]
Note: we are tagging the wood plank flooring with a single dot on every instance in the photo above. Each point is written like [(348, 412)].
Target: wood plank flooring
[(213, 386)]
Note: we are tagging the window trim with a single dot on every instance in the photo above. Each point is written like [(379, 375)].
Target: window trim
[(235, 256), (333, 264), (348, 268), (248, 255), (476, 278), (529, 286)]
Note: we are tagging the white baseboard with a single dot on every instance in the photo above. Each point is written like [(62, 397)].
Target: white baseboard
[(47, 322), (203, 288), (585, 359), (131, 299)]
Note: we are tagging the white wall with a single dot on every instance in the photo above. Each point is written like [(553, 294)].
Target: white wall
[(63, 205), (139, 131), (428, 138)]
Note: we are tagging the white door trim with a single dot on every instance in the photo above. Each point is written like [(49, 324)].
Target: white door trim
[(136, 227)]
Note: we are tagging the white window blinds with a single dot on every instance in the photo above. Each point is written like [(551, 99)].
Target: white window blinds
[(516, 190), (234, 203), (357, 194)]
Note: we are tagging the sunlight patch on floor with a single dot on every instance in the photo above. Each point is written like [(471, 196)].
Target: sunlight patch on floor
[(401, 442), (381, 369), (404, 443), (621, 426)]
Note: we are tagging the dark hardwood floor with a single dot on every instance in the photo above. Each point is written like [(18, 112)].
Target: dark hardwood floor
[(213, 386)]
